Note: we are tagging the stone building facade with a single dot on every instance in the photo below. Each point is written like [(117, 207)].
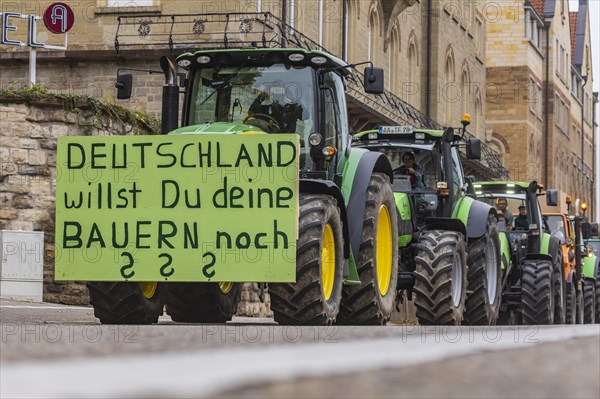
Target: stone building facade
[(433, 58), (537, 54)]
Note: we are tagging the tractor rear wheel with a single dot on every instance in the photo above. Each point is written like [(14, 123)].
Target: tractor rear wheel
[(580, 306), (589, 302), (598, 300), (440, 277), (315, 297), (127, 303), (372, 301), (571, 303), (202, 302), (537, 298), (484, 277)]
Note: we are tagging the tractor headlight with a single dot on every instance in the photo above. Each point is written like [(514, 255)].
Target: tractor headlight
[(315, 139)]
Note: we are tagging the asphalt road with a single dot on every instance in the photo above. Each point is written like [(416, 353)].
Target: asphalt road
[(58, 351)]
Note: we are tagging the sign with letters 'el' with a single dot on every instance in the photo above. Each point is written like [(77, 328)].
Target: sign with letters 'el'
[(177, 208)]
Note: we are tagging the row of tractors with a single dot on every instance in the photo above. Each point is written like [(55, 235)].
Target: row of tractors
[(371, 232)]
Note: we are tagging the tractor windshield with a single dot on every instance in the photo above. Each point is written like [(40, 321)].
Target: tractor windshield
[(418, 165), (273, 98), (556, 225), (595, 246)]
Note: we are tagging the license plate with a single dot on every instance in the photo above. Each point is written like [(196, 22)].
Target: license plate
[(395, 130)]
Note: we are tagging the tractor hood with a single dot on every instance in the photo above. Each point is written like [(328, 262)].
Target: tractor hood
[(218, 128)]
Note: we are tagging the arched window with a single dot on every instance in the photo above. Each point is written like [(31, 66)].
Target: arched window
[(374, 36), (449, 95), (413, 87), (465, 94), (394, 54), (478, 116)]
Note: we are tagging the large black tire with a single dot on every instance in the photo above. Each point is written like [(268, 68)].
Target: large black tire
[(589, 302), (202, 302), (440, 278), (579, 314), (127, 303), (558, 281), (571, 304), (484, 278), (537, 299), (598, 299), (372, 301), (311, 300)]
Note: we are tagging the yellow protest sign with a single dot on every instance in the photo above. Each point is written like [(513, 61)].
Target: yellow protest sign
[(184, 207)]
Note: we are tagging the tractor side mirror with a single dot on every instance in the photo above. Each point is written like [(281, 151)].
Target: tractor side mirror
[(473, 148), (373, 80), (585, 230), (552, 198), (124, 85), (594, 229)]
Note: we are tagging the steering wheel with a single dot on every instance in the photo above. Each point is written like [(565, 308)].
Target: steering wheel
[(269, 123)]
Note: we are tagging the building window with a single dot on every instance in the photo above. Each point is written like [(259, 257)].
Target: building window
[(479, 38), (533, 28), (394, 51), (449, 88), (413, 74), (131, 3), (465, 83)]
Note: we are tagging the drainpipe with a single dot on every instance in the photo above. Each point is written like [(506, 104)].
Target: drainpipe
[(345, 30), (594, 212), (585, 80), (547, 104), (428, 78), (284, 22)]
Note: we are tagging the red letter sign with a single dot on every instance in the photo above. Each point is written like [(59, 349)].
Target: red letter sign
[(59, 18)]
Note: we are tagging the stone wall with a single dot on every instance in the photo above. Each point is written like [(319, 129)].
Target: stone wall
[(30, 123)]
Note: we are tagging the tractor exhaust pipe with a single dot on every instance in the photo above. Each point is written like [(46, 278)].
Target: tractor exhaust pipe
[(170, 97)]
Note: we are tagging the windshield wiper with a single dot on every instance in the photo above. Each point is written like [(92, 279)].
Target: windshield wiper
[(224, 83)]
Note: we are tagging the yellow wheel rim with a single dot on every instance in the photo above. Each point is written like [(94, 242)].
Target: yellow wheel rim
[(328, 262), (225, 287), (149, 289), (384, 250)]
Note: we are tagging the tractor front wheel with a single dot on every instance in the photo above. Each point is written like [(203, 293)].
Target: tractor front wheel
[(571, 303), (127, 303), (537, 298), (372, 301), (589, 302), (558, 277), (440, 278), (202, 302), (484, 277), (314, 299)]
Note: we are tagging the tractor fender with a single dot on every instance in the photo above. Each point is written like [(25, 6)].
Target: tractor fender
[(474, 214), (571, 277), (590, 267), (328, 187), (446, 224), (538, 257), (359, 168), (505, 251), (405, 219)]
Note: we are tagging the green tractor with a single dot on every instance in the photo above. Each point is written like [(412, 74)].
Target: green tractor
[(346, 258), (533, 280), (589, 252), (448, 241)]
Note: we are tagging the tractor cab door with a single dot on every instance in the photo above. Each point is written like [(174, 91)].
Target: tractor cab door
[(334, 121)]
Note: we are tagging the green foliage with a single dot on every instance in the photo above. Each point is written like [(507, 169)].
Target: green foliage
[(102, 111)]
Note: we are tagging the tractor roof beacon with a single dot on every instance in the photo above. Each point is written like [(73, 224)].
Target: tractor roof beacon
[(440, 222), (347, 223)]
